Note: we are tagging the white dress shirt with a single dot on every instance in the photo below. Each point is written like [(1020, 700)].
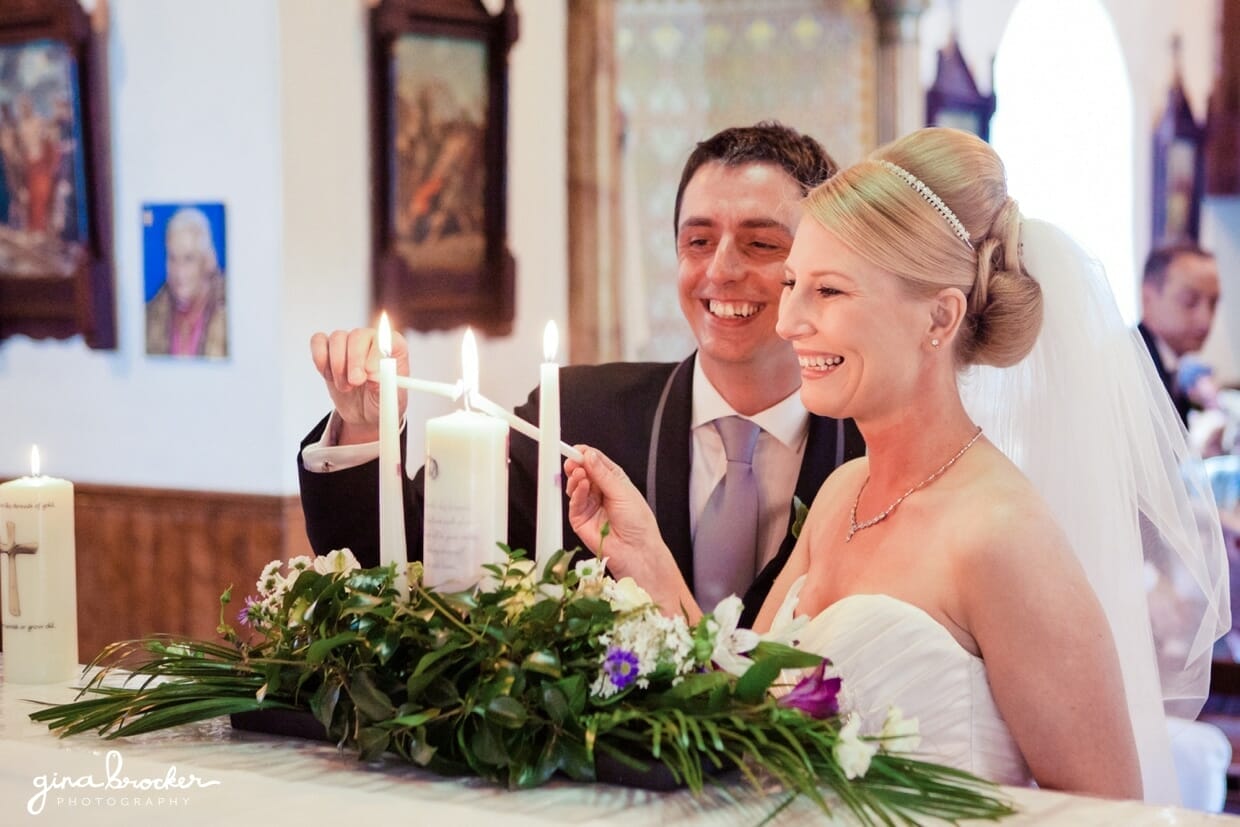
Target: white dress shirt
[(328, 455), (776, 459)]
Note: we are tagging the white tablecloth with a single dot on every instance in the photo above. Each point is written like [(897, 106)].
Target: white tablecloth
[(220, 776)]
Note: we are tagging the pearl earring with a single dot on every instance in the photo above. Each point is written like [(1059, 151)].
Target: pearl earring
[(934, 342)]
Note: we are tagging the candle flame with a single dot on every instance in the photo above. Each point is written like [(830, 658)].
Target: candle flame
[(551, 341), (385, 335), (469, 362), (34, 460)]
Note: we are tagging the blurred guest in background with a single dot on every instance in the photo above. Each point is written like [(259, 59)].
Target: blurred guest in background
[(1179, 294)]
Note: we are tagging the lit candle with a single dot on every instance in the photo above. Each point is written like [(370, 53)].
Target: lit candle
[(391, 493), (38, 579), (466, 503), (549, 536)]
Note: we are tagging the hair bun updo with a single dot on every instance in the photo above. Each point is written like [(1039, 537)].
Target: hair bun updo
[(1005, 304)]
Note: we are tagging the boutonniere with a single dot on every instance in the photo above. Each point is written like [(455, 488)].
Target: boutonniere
[(799, 512)]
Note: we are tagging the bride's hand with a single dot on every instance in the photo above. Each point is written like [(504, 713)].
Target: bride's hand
[(600, 494)]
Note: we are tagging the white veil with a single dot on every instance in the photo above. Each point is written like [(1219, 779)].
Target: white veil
[(1087, 419)]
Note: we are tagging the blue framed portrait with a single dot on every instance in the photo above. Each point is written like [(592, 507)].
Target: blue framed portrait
[(184, 254)]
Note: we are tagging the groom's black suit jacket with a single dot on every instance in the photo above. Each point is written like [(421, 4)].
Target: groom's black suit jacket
[(610, 407)]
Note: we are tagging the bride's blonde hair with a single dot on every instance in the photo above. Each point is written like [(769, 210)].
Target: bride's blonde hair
[(883, 216)]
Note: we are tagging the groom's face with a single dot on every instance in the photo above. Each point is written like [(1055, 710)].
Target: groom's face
[(735, 230)]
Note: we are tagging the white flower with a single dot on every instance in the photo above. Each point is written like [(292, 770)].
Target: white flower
[(590, 576), (785, 625), (338, 561), (730, 642), (851, 753), (550, 591), (270, 581), (520, 573), (654, 639), (625, 595), (590, 569), (518, 602), (300, 563), (900, 734)]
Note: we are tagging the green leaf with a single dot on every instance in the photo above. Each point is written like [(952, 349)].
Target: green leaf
[(372, 742), (420, 750), (416, 719), (442, 693), (546, 662), (507, 712), (698, 684), (370, 702), (320, 649), (488, 747), (575, 761), (387, 645), (556, 704), (540, 772), (323, 702), (769, 660)]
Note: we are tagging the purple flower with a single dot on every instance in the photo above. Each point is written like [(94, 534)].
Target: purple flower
[(815, 695), (621, 666), (243, 616)]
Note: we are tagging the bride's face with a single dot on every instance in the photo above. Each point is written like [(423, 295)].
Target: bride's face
[(857, 333)]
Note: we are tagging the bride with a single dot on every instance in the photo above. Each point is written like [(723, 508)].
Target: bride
[(982, 568)]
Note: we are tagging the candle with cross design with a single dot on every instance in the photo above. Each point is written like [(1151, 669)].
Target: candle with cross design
[(38, 580)]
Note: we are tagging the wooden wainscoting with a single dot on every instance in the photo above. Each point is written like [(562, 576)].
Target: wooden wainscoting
[(156, 560)]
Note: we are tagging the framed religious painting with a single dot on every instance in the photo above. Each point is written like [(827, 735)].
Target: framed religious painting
[(55, 205), (1179, 170), (439, 105), (954, 100)]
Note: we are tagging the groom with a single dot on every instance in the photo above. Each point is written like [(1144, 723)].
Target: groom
[(736, 210)]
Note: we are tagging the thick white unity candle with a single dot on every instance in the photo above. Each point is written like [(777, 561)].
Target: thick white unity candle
[(391, 494), (38, 578), (466, 504), (549, 537)]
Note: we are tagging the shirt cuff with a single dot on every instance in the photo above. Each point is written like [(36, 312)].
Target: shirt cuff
[(327, 455)]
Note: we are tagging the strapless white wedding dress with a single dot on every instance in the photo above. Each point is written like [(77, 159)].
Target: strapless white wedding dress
[(891, 653)]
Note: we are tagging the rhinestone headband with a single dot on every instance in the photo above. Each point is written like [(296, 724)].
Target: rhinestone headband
[(932, 199)]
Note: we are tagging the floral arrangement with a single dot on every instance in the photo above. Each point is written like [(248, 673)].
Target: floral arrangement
[(565, 670)]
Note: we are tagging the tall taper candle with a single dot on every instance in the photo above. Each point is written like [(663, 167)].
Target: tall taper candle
[(391, 494), (38, 579), (549, 533)]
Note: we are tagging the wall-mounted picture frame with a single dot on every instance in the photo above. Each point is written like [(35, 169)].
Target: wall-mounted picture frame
[(954, 100), (184, 262), (1179, 169), (56, 277), (439, 102)]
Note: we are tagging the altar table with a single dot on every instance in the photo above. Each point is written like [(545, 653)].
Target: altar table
[(220, 776)]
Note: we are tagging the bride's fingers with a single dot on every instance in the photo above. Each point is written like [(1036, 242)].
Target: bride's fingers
[(583, 504), (573, 478), (570, 464), (607, 475)]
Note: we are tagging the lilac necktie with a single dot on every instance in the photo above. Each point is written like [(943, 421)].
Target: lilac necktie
[(725, 546)]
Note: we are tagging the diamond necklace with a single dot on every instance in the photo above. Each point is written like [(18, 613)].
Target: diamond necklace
[(854, 527)]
